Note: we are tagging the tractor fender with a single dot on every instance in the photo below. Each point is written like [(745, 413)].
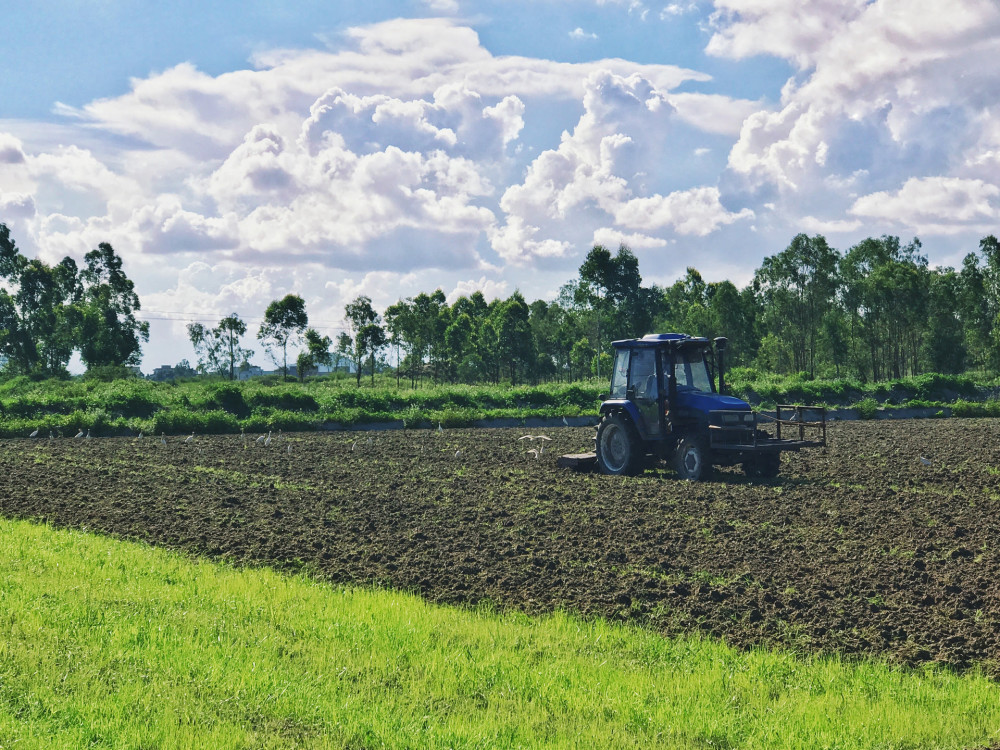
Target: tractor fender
[(622, 405)]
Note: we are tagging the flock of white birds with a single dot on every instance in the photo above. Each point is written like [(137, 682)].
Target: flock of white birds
[(266, 440)]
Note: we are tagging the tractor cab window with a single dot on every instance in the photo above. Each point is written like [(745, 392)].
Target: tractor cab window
[(691, 371), (619, 377), (643, 374)]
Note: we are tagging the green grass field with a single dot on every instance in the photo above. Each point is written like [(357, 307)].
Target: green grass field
[(118, 645)]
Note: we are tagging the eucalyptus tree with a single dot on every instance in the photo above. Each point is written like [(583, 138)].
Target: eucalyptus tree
[(316, 353), (46, 312), (110, 334), (367, 337), (979, 303), (797, 287), (219, 349), (38, 318), (885, 295), (285, 322), (944, 349), (401, 324)]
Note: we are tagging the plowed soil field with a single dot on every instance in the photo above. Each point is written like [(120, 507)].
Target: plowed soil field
[(862, 548)]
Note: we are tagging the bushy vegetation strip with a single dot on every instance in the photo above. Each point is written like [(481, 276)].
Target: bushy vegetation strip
[(130, 406), (115, 644)]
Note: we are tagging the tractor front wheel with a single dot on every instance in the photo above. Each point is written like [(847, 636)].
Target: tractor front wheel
[(691, 459), (618, 448)]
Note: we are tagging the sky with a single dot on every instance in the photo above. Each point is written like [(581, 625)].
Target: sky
[(235, 152)]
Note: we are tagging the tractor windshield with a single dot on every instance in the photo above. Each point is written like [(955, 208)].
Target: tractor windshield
[(691, 372)]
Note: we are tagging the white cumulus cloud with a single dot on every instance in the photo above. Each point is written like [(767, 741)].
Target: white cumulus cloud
[(935, 205)]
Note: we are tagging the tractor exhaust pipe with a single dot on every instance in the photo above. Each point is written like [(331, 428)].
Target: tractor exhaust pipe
[(720, 348)]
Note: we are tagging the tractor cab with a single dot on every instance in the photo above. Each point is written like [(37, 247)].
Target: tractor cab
[(664, 380)]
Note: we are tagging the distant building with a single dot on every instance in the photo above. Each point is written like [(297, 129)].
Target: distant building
[(251, 371), (171, 372), (162, 373)]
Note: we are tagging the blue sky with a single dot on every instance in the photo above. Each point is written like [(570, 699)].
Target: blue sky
[(235, 152)]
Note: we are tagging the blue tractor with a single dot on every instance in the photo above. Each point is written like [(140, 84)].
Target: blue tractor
[(668, 401)]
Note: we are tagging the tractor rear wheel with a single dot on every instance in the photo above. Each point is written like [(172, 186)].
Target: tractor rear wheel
[(691, 459), (764, 466), (618, 447)]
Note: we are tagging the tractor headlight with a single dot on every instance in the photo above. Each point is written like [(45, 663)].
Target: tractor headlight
[(730, 418), (748, 418)]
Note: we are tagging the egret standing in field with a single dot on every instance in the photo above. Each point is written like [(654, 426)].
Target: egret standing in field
[(35, 433), (189, 438), (79, 434)]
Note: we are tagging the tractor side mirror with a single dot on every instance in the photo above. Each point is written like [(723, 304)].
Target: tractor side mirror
[(630, 393), (720, 348)]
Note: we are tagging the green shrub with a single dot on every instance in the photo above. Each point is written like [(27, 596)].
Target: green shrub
[(127, 398), (229, 398), (867, 408), (282, 399), (963, 408), (414, 417)]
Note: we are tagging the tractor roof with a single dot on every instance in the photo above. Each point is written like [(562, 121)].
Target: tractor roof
[(674, 340)]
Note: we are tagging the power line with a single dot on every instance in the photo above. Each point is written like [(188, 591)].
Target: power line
[(186, 317)]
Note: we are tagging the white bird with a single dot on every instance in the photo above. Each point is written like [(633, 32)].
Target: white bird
[(51, 435), (267, 441), (140, 435), (440, 428), (541, 449), (925, 461), (289, 449), (163, 438), (354, 445), (35, 433), (79, 434), (243, 436), (190, 437), (533, 452), (87, 436), (565, 422), (370, 441), (458, 453), (262, 438), (526, 437)]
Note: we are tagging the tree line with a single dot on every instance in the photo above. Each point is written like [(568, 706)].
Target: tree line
[(875, 311), (49, 311)]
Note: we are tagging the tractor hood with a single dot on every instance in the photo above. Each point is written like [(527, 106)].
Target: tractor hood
[(706, 402)]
